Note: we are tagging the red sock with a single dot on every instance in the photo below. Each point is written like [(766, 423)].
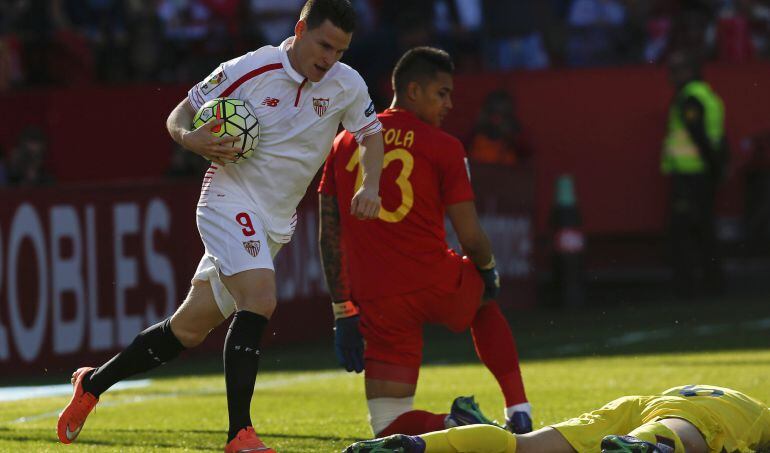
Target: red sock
[(496, 348), (413, 423)]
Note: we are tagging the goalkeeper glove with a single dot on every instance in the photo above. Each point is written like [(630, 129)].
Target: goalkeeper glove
[(348, 342), (491, 280)]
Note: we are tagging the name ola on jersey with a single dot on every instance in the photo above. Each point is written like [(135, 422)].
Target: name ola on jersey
[(398, 138)]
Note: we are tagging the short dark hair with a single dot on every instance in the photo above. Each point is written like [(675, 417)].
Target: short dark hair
[(338, 12), (419, 64)]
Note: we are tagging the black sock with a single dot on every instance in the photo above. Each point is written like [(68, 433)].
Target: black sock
[(153, 347), (241, 358)]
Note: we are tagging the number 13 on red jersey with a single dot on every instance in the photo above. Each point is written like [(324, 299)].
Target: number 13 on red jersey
[(407, 192)]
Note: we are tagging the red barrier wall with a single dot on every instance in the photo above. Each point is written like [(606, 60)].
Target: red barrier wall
[(605, 127), (98, 134), (84, 268)]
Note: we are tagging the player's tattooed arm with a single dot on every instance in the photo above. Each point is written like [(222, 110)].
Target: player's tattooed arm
[(332, 254)]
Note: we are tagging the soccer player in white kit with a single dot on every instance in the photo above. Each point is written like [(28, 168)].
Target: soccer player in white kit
[(300, 94)]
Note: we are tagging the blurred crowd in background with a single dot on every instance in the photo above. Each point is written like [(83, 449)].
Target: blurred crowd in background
[(69, 42)]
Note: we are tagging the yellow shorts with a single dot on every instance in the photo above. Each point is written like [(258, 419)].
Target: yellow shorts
[(727, 419)]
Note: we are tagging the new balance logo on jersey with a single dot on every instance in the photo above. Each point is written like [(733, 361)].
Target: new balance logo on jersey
[(252, 247), (271, 102)]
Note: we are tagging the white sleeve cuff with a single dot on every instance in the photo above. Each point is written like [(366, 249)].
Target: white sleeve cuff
[(370, 129)]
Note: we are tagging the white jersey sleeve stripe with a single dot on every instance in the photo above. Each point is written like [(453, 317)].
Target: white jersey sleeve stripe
[(194, 99), (370, 129), (376, 120)]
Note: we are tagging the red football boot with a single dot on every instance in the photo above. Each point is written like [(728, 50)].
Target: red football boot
[(73, 416), (246, 442)]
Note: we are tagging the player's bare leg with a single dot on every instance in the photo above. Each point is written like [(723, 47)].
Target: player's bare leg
[(197, 316), (151, 348), (254, 292), (667, 435), (691, 438)]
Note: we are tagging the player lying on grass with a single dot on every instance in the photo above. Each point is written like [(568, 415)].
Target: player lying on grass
[(391, 276), (692, 418)]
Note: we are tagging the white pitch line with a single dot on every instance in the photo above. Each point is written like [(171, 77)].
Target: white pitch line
[(260, 385), (44, 391)]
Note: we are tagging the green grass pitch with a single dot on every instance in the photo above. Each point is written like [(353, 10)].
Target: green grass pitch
[(572, 362)]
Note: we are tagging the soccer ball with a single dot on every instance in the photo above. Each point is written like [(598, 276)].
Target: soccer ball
[(240, 122)]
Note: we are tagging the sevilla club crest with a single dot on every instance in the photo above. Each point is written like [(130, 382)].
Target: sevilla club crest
[(252, 247), (320, 105)]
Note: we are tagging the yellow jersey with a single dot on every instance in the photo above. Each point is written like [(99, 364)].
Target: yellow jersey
[(730, 421)]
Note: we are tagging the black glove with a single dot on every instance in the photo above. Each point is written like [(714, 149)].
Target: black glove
[(349, 344), (491, 283)]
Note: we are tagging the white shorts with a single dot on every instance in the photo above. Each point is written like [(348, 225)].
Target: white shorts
[(235, 241)]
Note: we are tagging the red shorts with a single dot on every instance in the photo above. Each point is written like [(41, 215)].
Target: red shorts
[(392, 326)]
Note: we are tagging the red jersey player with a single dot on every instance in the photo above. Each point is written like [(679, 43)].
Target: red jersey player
[(389, 276)]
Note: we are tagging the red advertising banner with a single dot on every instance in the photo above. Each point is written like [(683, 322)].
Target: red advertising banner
[(605, 126), (83, 269)]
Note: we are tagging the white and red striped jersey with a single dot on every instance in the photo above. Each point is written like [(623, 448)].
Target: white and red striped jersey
[(298, 122)]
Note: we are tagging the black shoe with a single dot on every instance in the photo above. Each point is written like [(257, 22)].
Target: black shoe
[(465, 411), (519, 423), (630, 444), (397, 443)]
